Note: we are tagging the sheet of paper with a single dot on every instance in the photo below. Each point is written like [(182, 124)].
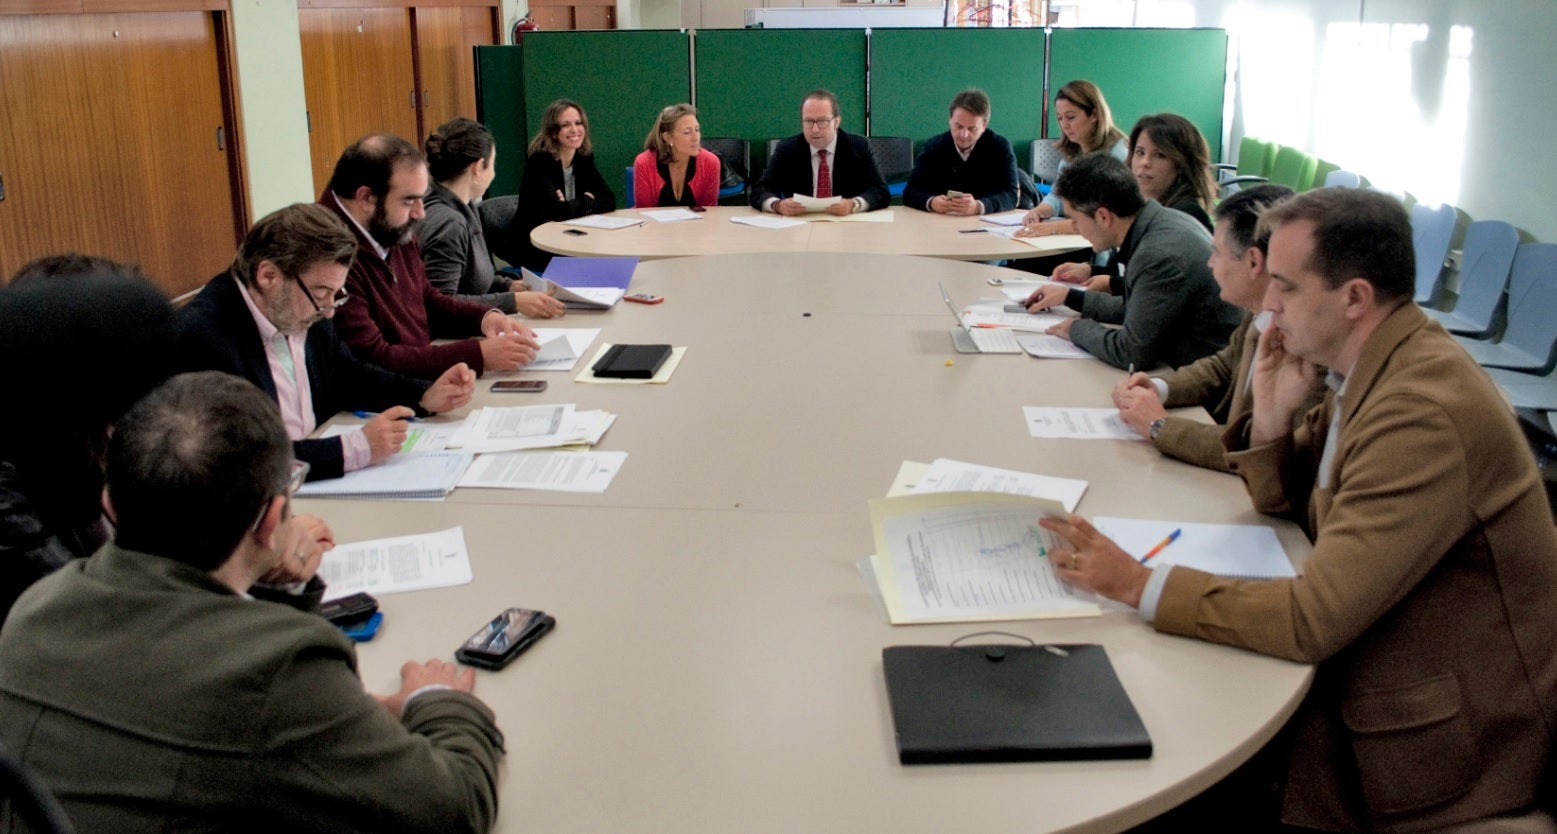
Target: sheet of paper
[(532, 427), (1078, 423), (969, 557), (908, 475), (403, 563), (557, 471), (1239, 550), (661, 376), (878, 216), (810, 203), (1018, 291), (425, 475), (603, 221), (994, 315), (1006, 218), (578, 340), (956, 476), (419, 436), (1050, 347), (670, 215), (1053, 243), (766, 221), (554, 348)]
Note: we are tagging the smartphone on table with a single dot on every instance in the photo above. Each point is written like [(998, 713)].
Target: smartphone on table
[(497, 643), (519, 386)]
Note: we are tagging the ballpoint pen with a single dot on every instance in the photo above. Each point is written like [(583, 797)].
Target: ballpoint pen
[(1160, 545), (368, 415)]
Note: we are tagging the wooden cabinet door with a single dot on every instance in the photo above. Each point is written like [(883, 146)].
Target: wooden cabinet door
[(445, 40), (109, 145), (357, 78)]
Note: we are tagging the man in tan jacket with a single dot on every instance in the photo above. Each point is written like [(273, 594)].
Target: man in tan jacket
[(1427, 600)]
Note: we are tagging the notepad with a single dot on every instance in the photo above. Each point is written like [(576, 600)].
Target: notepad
[(1009, 703), (1239, 551), (421, 475)]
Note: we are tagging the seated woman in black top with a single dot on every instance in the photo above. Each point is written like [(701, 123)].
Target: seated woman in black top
[(674, 169), (560, 181), (1172, 164)]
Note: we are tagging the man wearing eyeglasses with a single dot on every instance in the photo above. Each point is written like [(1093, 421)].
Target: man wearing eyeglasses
[(267, 319), (150, 692), (823, 161), (377, 188)]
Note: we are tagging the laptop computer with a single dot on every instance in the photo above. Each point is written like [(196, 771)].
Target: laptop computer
[(979, 339)]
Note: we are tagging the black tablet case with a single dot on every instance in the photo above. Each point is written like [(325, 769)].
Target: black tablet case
[(631, 361), (1004, 703)]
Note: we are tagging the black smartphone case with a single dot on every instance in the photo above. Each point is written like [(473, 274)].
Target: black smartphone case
[(485, 661), (632, 361)]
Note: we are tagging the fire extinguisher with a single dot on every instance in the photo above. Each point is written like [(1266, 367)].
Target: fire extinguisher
[(522, 25)]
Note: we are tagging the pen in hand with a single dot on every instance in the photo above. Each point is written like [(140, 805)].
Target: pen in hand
[(1160, 545), (368, 415)]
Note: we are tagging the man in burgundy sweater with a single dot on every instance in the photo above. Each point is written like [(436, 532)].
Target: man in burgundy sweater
[(392, 313)]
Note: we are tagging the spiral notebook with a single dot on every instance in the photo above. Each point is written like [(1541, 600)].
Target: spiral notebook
[(405, 475), (1240, 551)]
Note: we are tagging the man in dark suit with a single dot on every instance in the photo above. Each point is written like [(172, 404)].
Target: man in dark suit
[(823, 161), (267, 319), (969, 161)]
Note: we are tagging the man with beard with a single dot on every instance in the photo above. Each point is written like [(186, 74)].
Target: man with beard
[(392, 313), (267, 319)]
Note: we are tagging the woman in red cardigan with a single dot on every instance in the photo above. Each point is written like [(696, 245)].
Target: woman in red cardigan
[(673, 169)]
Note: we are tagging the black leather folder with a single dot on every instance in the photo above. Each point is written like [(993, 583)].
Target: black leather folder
[(631, 361), (1010, 703)]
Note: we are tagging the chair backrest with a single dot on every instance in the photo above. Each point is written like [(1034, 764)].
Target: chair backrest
[(1293, 168), (1532, 296), (630, 184), (1343, 179), (1485, 263), (497, 227), (1255, 157), (1045, 160), (1322, 170), (1432, 229), (734, 155), (894, 156)]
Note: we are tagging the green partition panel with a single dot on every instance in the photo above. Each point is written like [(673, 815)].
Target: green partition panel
[(1143, 71), (500, 106), (915, 72), (750, 81)]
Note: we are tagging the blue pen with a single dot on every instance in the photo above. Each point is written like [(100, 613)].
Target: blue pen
[(368, 415)]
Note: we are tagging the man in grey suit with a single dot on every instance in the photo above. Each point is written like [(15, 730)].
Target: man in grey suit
[(150, 692)]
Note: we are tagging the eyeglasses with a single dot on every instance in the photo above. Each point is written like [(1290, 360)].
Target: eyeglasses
[(818, 122), (340, 297), (296, 477)]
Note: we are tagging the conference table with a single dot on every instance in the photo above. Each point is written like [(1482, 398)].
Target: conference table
[(909, 232), (716, 665)]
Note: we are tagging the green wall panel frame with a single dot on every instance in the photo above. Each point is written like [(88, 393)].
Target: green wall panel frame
[(915, 72), (750, 81), (500, 106), (1142, 71)]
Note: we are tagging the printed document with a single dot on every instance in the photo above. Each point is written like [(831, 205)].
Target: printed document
[(403, 563), (558, 471), (576, 340), (495, 429), (1078, 423), (670, 215), (603, 221), (1044, 346), (955, 476), (970, 557), (766, 221), (993, 314)]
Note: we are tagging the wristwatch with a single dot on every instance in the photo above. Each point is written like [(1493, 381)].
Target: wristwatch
[(1156, 427)]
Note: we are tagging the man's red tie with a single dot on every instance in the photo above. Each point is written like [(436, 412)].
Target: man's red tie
[(824, 177)]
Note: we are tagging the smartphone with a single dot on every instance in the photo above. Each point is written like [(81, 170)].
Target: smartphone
[(519, 386), (643, 298), (349, 609), (575, 232), (952, 195), (497, 643)]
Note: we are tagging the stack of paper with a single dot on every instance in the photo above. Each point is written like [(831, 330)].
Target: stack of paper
[(419, 475), (531, 427), (574, 298)]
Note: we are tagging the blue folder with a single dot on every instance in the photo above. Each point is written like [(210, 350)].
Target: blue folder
[(592, 272)]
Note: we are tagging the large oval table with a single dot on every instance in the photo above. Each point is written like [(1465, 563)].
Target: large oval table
[(717, 661), (910, 232)]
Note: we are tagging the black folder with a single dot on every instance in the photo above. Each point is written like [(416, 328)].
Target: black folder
[(1010, 703), (632, 361)]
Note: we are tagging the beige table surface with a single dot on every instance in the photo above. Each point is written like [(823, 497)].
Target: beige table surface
[(716, 665), (911, 232)]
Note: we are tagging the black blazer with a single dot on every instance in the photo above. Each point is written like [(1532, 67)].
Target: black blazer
[(218, 334), (988, 174), (854, 172), (538, 201)]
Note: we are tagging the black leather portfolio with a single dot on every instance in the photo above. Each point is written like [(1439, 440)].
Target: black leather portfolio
[(1005, 703), (631, 361)]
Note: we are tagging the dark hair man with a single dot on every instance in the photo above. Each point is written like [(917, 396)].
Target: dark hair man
[(377, 188), (821, 161), (147, 690), (1427, 600), (1219, 382), (267, 319), (1168, 306), (969, 169)]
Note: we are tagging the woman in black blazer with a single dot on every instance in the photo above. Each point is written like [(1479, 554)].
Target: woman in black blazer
[(560, 178)]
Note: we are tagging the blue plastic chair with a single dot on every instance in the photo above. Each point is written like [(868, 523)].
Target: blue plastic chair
[(1527, 390), (1532, 329), (1343, 179), (627, 201), (1484, 267), (1432, 229)]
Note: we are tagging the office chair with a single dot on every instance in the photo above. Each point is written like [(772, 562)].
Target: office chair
[(629, 196), (1293, 168), (734, 161), (1485, 262), (1526, 390), (1255, 157), (1531, 331), (894, 158), (497, 227), (1432, 230), (1343, 179), (1046, 160), (1322, 170), (29, 800)]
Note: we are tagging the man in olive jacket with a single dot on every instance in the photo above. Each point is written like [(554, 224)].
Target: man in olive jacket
[(151, 693)]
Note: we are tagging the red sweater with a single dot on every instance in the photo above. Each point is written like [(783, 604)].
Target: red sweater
[(647, 182), (394, 313)]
